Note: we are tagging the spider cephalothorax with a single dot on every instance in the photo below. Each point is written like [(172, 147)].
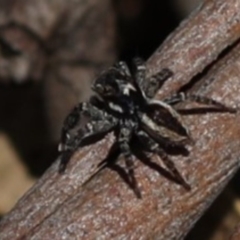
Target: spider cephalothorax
[(123, 105)]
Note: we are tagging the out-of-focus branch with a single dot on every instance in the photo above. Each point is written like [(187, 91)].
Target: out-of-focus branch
[(33, 34), (24, 28), (56, 42), (59, 207), (236, 234)]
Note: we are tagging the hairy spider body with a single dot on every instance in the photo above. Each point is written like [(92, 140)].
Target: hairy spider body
[(125, 106)]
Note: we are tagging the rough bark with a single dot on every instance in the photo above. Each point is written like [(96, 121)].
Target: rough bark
[(61, 207), (197, 42)]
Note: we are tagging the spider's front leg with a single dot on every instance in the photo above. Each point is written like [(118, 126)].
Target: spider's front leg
[(155, 82), (182, 97), (154, 147), (69, 123), (75, 131), (123, 68)]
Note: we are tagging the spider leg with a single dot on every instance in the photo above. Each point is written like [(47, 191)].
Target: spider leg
[(153, 146), (162, 121), (157, 80), (140, 74), (154, 83), (100, 124), (123, 141), (123, 68), (75, 118), (181, 97), (69, 123), (171, 166)]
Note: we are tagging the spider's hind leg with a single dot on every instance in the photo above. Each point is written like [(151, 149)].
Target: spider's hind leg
[(155, 148), (171, 166), (181, 97)]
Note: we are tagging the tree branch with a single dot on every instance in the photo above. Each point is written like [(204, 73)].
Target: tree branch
[(60, 207), (236, 233)]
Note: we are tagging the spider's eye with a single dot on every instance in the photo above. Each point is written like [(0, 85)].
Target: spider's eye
[(103, 90)]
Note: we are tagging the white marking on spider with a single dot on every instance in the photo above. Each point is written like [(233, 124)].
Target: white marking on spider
[(140, 67), (115, 107), (60, 147), (68, 136), (127, 88)]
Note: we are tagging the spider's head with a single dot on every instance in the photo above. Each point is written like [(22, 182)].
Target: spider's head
[(112, 84)]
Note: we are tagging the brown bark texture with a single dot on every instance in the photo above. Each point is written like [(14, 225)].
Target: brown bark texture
[(61, 207)]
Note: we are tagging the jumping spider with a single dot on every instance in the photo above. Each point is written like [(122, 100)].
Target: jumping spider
[(124, 105)]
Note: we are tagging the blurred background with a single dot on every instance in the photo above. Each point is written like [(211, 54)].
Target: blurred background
[(50, 51)]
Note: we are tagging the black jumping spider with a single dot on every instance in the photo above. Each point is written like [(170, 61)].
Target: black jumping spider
[(123, 105)]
